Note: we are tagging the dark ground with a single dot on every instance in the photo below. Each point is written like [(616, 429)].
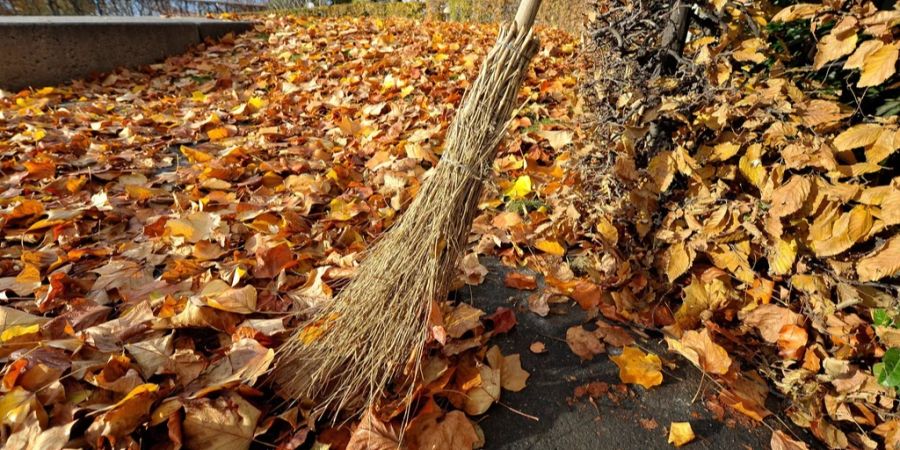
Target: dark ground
[(566, 423)]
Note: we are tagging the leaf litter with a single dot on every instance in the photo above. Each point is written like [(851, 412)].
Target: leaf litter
[(164, 229)]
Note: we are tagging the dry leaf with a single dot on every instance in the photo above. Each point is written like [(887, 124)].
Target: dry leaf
[(680, 433), (225, 423), (584, 343), (699, 348), (637, 367)]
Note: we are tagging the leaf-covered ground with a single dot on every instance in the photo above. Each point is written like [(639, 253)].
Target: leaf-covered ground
[(753, 197), (165, 230)]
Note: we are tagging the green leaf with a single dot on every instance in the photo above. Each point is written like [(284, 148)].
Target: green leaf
[(887, 372), (881, 318)]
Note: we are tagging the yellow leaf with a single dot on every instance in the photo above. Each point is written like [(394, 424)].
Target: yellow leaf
[(19, 330), (879, 66), (220, 295), (832, 47), (680, 259), (751, 166), (788, 198), (797, 12), (195, 156), (680, 433), (479, 399), (198, 96), (606, 229), (551, 247), (512, 376), (845, 230), (15, 406), (256, 103), (138, 193), (855, 61), (726, 150), (662, 170), (520, 189), (218, 133), (782, 256), (341, 210), (147, 388), (750, 51), (637, 367), (884, 262), (857, 136), (860, 223), (406, 91)]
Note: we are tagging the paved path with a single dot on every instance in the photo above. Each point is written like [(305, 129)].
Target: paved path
[(603, 424)]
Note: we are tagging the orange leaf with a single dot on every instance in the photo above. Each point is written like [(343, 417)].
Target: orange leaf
[(637, 367)]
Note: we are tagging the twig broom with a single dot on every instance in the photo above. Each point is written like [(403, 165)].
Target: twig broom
[(376, 328)]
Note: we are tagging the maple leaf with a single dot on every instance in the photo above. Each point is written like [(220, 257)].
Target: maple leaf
[(225, 423)]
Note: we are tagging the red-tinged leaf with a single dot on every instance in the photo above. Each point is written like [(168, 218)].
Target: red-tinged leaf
[(517, 280), (503, 320)]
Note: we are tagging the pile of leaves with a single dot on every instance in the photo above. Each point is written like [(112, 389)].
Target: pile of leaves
[(164, 229), (748, 205)]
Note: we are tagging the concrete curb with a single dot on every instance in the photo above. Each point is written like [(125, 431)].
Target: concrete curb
[(41, 51)]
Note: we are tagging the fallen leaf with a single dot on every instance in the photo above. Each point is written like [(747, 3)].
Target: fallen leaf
[(884, 262), (518, 280), (878, 66), (699, 348), (584, 343), (637, 367), (680, 433), (781, 441), (225, 423)]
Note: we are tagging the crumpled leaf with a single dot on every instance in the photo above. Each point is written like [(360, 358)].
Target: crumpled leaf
[(584, 343), (699, 348)]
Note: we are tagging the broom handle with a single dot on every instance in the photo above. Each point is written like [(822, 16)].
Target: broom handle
[(528, 10)]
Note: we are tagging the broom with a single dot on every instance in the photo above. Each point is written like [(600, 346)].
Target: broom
[(376, 328)]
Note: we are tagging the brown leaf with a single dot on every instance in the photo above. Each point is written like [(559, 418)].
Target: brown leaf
[(884, 262), (472, 271), (699, 348), (770, 320), (225, 423), (584, 343), (462, 319), (122, 418), (450, 432), (372, 434), (781, 441)]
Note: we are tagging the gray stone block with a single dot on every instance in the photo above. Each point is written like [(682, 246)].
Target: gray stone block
[(41, 51)]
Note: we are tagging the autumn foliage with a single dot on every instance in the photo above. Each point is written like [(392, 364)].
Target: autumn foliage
[(165, 228)]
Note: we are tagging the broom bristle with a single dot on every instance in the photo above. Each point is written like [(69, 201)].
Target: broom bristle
[(365, 338)]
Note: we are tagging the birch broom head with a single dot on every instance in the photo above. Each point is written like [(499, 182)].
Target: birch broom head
[(374, 332)]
